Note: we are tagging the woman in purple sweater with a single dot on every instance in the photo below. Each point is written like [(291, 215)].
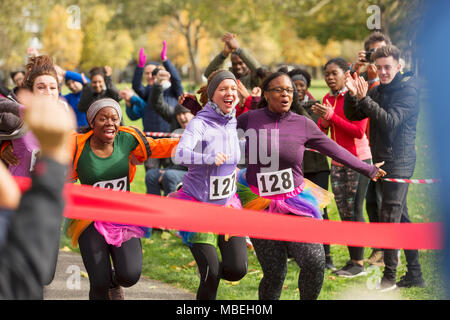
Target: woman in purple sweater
[(209, 148), (274, 132)]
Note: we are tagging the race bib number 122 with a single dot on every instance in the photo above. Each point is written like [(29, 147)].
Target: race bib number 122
[(116, 184)]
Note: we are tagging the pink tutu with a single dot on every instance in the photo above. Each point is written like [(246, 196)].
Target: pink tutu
[(115, 234)]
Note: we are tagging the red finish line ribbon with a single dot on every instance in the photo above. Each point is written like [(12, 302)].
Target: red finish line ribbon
[(86, 202)]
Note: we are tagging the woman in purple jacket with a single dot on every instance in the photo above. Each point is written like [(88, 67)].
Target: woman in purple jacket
[(209, 148), (278, 185)]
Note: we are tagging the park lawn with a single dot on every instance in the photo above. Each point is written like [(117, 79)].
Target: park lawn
[(170, 261)]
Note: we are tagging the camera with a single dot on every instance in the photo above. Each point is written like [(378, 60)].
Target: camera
[(310, 103), (155, 71), (368, 54)]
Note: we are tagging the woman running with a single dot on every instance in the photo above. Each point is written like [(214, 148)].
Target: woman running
[(280, 187), (349, 187), (209, 148), (41, 79), (102, 159), (315, 165)]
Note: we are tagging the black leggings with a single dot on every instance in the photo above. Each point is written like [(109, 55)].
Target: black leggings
[(232, 268), (272, 255), (321, 179), (97, 254)]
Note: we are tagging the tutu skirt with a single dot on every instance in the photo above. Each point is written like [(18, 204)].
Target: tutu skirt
[(307, 200), (115, 234)]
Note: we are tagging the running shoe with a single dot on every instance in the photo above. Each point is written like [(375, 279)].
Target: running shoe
[(376, 258), (116, 293), (408, 281), (351, 270), (386, 285)]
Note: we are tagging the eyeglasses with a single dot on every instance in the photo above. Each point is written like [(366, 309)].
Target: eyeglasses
[(279, 90)]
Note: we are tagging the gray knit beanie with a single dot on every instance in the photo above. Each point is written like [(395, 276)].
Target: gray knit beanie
[(216, 80), (97, 105)]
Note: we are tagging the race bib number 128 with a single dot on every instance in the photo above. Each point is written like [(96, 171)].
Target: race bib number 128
[(272, 183), (116, 184)]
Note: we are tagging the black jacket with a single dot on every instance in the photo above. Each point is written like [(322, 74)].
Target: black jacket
[(27, 258), (166, 112), (393, 110), (88, 96)]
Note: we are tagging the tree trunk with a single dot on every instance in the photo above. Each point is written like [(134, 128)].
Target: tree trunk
[(188, 31)]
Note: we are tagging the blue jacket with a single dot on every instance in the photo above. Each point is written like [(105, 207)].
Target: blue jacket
[(74, 98), (150, 119), (393, 110)]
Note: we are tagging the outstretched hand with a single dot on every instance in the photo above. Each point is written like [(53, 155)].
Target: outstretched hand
[(361, 88), (381, 173), (230, 41), (350, 83)]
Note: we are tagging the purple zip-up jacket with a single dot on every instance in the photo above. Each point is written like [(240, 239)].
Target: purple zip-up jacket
[(295, 133), (206, 135)]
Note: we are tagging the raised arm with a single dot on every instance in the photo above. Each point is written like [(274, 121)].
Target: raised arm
[(159, 104), (320, 142), (26, 259)]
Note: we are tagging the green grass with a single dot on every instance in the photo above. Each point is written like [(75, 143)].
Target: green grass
[(170, 261)]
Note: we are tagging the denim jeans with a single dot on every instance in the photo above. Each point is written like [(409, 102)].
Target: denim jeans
[(394, 209), (170, 179)]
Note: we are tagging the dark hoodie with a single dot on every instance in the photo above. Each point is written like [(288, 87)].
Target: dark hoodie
[(393, 110)]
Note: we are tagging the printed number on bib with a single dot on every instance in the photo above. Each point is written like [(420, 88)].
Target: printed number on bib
[(278, 182), (116, 185), (221, 187)]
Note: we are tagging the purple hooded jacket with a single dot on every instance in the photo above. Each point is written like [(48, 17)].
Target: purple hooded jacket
[(206, 135), (26, 147)]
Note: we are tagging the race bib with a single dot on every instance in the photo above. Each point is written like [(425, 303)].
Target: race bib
[(278, 182), (221, 187), (116, 184)]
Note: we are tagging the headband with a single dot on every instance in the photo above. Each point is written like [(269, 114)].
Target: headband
[(216, 80), (100, 104), (299, 77)]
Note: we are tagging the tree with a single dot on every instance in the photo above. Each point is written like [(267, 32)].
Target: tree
[(60, 41), (13, 35), (102, 46)]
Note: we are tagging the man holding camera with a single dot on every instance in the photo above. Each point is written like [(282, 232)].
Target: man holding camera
[(365, 67), (393, 110), (372, 42)]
